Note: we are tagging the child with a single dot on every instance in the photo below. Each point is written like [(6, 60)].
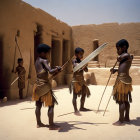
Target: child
[(78, 84), (21, 74), (42, 91), (123, 85)]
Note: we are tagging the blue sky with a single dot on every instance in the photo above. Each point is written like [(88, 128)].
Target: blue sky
[(78, 12)]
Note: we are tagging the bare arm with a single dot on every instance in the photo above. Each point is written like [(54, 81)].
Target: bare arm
[(85, 68), (74, 63), (113, 70), (125, 56), (48, 68)]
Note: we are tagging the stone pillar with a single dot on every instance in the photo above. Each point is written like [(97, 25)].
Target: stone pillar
[(56, 57), (59, 78), (95, 46), (66, 56)]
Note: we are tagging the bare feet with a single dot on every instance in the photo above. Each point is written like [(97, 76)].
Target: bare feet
[(41, 125), (118, 123), (77, 113), (84, 109), (54, 127), (127, 120)]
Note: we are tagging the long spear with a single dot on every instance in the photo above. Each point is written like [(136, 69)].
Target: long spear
[(14, 80), (29, 74), (105, 88), (18, 46), (107, 104)]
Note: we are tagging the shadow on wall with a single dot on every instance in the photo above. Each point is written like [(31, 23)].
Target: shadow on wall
[(1, 64), (4, 71), (90, 78)]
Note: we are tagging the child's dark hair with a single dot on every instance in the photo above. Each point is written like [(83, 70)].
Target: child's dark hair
[(19, 60), (121, 43), (78, 50), (43, 48)]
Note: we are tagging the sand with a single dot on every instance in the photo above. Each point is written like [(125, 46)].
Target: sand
[(17, 119)]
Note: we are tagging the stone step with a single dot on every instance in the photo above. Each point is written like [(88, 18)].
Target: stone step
[(93, 66), (135, 62), (137, 65), (136, 57), (93, 62)]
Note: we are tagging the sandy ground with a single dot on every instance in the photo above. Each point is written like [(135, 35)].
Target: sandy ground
[(17, 119)]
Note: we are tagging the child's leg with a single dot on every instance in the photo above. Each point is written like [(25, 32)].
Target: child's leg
[(52, 126), (21, 93), (74, 102), (38, 113), (127, 108), (83, 98), (121, 111), (51, 114), (83, 101)]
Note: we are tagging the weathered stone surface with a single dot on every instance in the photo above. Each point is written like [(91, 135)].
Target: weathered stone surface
[(34, 26), (84, 36), (99, 76)]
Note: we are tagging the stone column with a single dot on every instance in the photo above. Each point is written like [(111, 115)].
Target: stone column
[(68, 72), (95, 46), (59, 78)]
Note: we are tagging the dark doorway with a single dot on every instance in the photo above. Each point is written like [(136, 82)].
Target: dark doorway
[(55, 53), (37, 39), (95, 46), (65, 58), (65, 51), (56, 57)]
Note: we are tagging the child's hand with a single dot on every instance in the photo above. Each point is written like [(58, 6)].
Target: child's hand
[(59, 68), (112, 70), (118, 58), (130, 100), (85, 67)]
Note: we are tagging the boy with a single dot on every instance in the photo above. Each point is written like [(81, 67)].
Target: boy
[(21, 74), (78, 84), (42, 91), (123, 85)]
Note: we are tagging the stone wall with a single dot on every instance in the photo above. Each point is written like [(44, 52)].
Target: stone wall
[(84, 35), (34, 26)]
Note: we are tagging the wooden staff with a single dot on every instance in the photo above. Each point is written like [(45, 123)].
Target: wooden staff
[(105, 87), (54, 75), (65, 114), (107, 105), (18, 46), (29, 74), (14, 59), (14, 80)]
